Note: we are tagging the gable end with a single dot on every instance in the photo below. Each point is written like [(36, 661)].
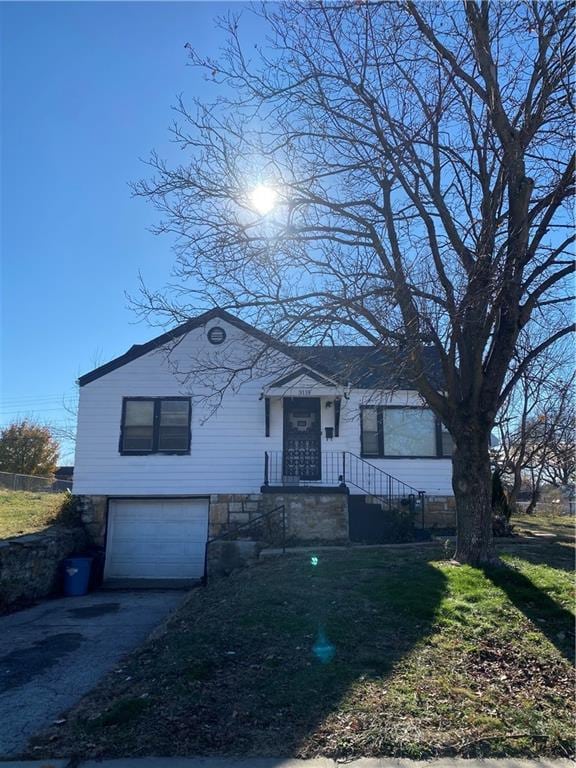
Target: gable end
[(138, 350)]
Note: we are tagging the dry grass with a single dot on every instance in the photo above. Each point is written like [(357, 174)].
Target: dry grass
[(26, 512)]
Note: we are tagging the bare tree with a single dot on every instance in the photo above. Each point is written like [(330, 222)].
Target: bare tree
[(66, 429), (421, 155), (535, 427), (559, 423)]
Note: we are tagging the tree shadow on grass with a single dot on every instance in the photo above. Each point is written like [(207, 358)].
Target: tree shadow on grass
[(260, 661), (329, 625), (554, 621), (377, 614), (557, 554)]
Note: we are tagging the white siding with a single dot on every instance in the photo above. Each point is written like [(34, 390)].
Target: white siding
[(227, 449)]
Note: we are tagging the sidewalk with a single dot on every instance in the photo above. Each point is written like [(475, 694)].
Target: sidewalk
[(271, 762)]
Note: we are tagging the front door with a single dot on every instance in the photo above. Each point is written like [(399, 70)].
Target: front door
[(302, 438)]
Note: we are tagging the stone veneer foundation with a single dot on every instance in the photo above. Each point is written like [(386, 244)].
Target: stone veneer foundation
[(312, 516), (93, 513), (232, 509), (225, 509), (439, 512)]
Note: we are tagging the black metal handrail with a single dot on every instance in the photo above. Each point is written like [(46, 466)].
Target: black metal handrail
[(343, 468), (330, 470), (255, 526), (373, 481)]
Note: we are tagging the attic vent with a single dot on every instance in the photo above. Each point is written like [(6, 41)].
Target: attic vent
[(216, 335)]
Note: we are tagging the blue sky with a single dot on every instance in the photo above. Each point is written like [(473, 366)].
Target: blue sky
[(87, 90)]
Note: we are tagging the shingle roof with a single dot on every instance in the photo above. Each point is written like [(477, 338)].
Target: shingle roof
[(367, 367), (363, 367)]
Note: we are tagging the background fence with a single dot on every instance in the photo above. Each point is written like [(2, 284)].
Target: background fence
[(13, 482)]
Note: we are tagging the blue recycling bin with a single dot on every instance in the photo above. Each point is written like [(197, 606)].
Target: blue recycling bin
[(76, 575)]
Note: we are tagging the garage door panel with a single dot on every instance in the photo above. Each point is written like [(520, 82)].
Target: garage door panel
[(156, 538), (170, 532)]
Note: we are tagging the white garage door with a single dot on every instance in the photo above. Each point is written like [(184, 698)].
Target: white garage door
[(156, 538)]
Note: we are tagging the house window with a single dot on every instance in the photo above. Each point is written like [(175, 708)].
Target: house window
[(155, 425), (396, 432), (447, 441), (371, 431)]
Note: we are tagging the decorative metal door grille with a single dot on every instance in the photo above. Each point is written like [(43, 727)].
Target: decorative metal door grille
[(302, 438)]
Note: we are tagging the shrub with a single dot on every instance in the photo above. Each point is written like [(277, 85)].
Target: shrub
[(69, 513), (501, 508), (399, 525)]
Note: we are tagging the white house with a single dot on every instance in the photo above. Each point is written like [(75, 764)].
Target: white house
[(214, 422)]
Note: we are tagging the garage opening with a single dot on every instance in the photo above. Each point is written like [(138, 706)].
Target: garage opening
[(156, 539)]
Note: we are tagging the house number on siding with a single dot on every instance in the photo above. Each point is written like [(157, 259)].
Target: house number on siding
[(304, 392)]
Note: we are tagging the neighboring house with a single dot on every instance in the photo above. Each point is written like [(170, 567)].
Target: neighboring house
[(319, 429), (63, 477), (552, 500), (64, 473)]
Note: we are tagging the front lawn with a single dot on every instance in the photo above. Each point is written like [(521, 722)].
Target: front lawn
[(562, 526), (366, 652), (26, 512)]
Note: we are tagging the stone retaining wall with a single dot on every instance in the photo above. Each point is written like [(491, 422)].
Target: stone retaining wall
[(30, 565), (227, 556)]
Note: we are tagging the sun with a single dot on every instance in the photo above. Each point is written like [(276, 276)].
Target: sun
[(263, 199)]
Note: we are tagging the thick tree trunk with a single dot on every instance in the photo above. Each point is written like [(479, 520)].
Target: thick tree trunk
[(472, 483)]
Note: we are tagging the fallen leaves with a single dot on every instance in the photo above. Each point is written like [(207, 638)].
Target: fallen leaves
[(235, 673)]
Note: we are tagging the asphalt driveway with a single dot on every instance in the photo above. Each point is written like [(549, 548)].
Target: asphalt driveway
[(54, 653)]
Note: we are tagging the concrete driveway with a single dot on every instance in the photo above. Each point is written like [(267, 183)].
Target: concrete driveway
[(54, 653)]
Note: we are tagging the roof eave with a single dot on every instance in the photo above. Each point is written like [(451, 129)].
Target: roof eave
[(143, 349)]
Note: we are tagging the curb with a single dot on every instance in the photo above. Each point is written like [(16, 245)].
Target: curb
[(288, 762)]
